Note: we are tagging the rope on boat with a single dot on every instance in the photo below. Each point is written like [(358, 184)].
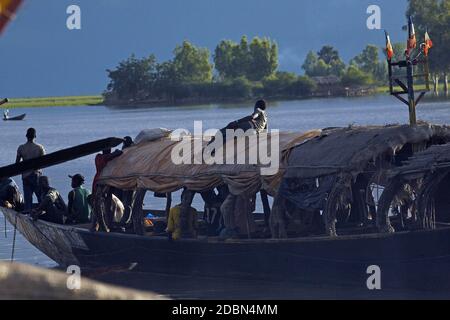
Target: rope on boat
[(14, 238), (6, 234)]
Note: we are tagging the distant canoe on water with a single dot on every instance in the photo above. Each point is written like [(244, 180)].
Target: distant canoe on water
[(16, 118)]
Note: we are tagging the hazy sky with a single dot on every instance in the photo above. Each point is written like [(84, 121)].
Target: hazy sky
[(39, 56)]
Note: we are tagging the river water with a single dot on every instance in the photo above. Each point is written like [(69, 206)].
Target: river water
[(61, 127)]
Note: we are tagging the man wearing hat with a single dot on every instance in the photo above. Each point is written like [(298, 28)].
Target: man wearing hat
[(78, 209), (27, 151)]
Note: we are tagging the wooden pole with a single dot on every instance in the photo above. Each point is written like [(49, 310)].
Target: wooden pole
[(391, 85), (427, 74), (411, 97), (168, 204), (14, 239), (266, 206), (6, 234)]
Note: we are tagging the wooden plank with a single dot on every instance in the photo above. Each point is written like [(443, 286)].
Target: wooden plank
[(402, 85), (422, 94), (401, 99), (59, 157)]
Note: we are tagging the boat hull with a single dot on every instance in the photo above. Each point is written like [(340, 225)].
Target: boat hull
[(408, 260), (16, 118)]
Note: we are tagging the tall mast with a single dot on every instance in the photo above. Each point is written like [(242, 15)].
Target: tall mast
[(407, 94)]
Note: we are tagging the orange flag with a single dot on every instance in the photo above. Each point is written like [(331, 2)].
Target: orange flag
[(412, 42), (7, 11), (428, 44), (389, 49)]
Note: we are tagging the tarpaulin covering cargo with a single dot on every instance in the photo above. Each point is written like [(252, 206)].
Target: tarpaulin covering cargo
[(149, 165)]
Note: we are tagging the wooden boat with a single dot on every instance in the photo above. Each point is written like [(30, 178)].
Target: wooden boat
[(16, 118), (409, 257), (408, 260)]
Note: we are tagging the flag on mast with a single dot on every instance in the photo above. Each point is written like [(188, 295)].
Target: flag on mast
[(428, 44), (412, 42), (389, 48), (8, 9)]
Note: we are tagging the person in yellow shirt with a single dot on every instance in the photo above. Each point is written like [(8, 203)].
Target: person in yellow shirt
[(174, 227)]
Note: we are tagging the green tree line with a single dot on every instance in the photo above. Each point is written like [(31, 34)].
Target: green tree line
[(234, 71), (434, 16)]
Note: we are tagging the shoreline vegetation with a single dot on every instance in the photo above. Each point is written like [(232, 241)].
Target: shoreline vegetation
[(240, 71), (54, 101), (98, 100), (248, 70)]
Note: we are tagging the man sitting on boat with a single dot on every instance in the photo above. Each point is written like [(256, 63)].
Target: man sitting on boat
[(78, 208), (108, 212), (52, 207), (237, 216), (6, 114), (257, 121), (127, 142), (174, 223), (10, 196)]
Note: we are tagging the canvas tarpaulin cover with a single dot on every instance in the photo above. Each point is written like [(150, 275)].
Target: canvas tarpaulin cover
[(351, 149), (149, 165), (314, 167), (431, 160)]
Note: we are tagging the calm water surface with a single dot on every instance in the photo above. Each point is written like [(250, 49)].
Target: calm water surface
[(67, 126)]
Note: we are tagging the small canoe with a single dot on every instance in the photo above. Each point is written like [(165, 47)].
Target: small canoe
[(16, 118)]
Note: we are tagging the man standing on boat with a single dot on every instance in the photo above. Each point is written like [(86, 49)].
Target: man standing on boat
[(101, 160), (27, 151), (78, 208)]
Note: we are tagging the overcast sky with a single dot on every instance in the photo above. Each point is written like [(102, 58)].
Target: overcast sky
[(39, 56)]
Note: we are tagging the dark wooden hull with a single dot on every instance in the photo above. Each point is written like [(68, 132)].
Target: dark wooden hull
[(17, 118), (408, 260)]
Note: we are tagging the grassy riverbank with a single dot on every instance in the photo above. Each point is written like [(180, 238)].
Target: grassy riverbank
[(420, 87), (98, 100), (54, 101)]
